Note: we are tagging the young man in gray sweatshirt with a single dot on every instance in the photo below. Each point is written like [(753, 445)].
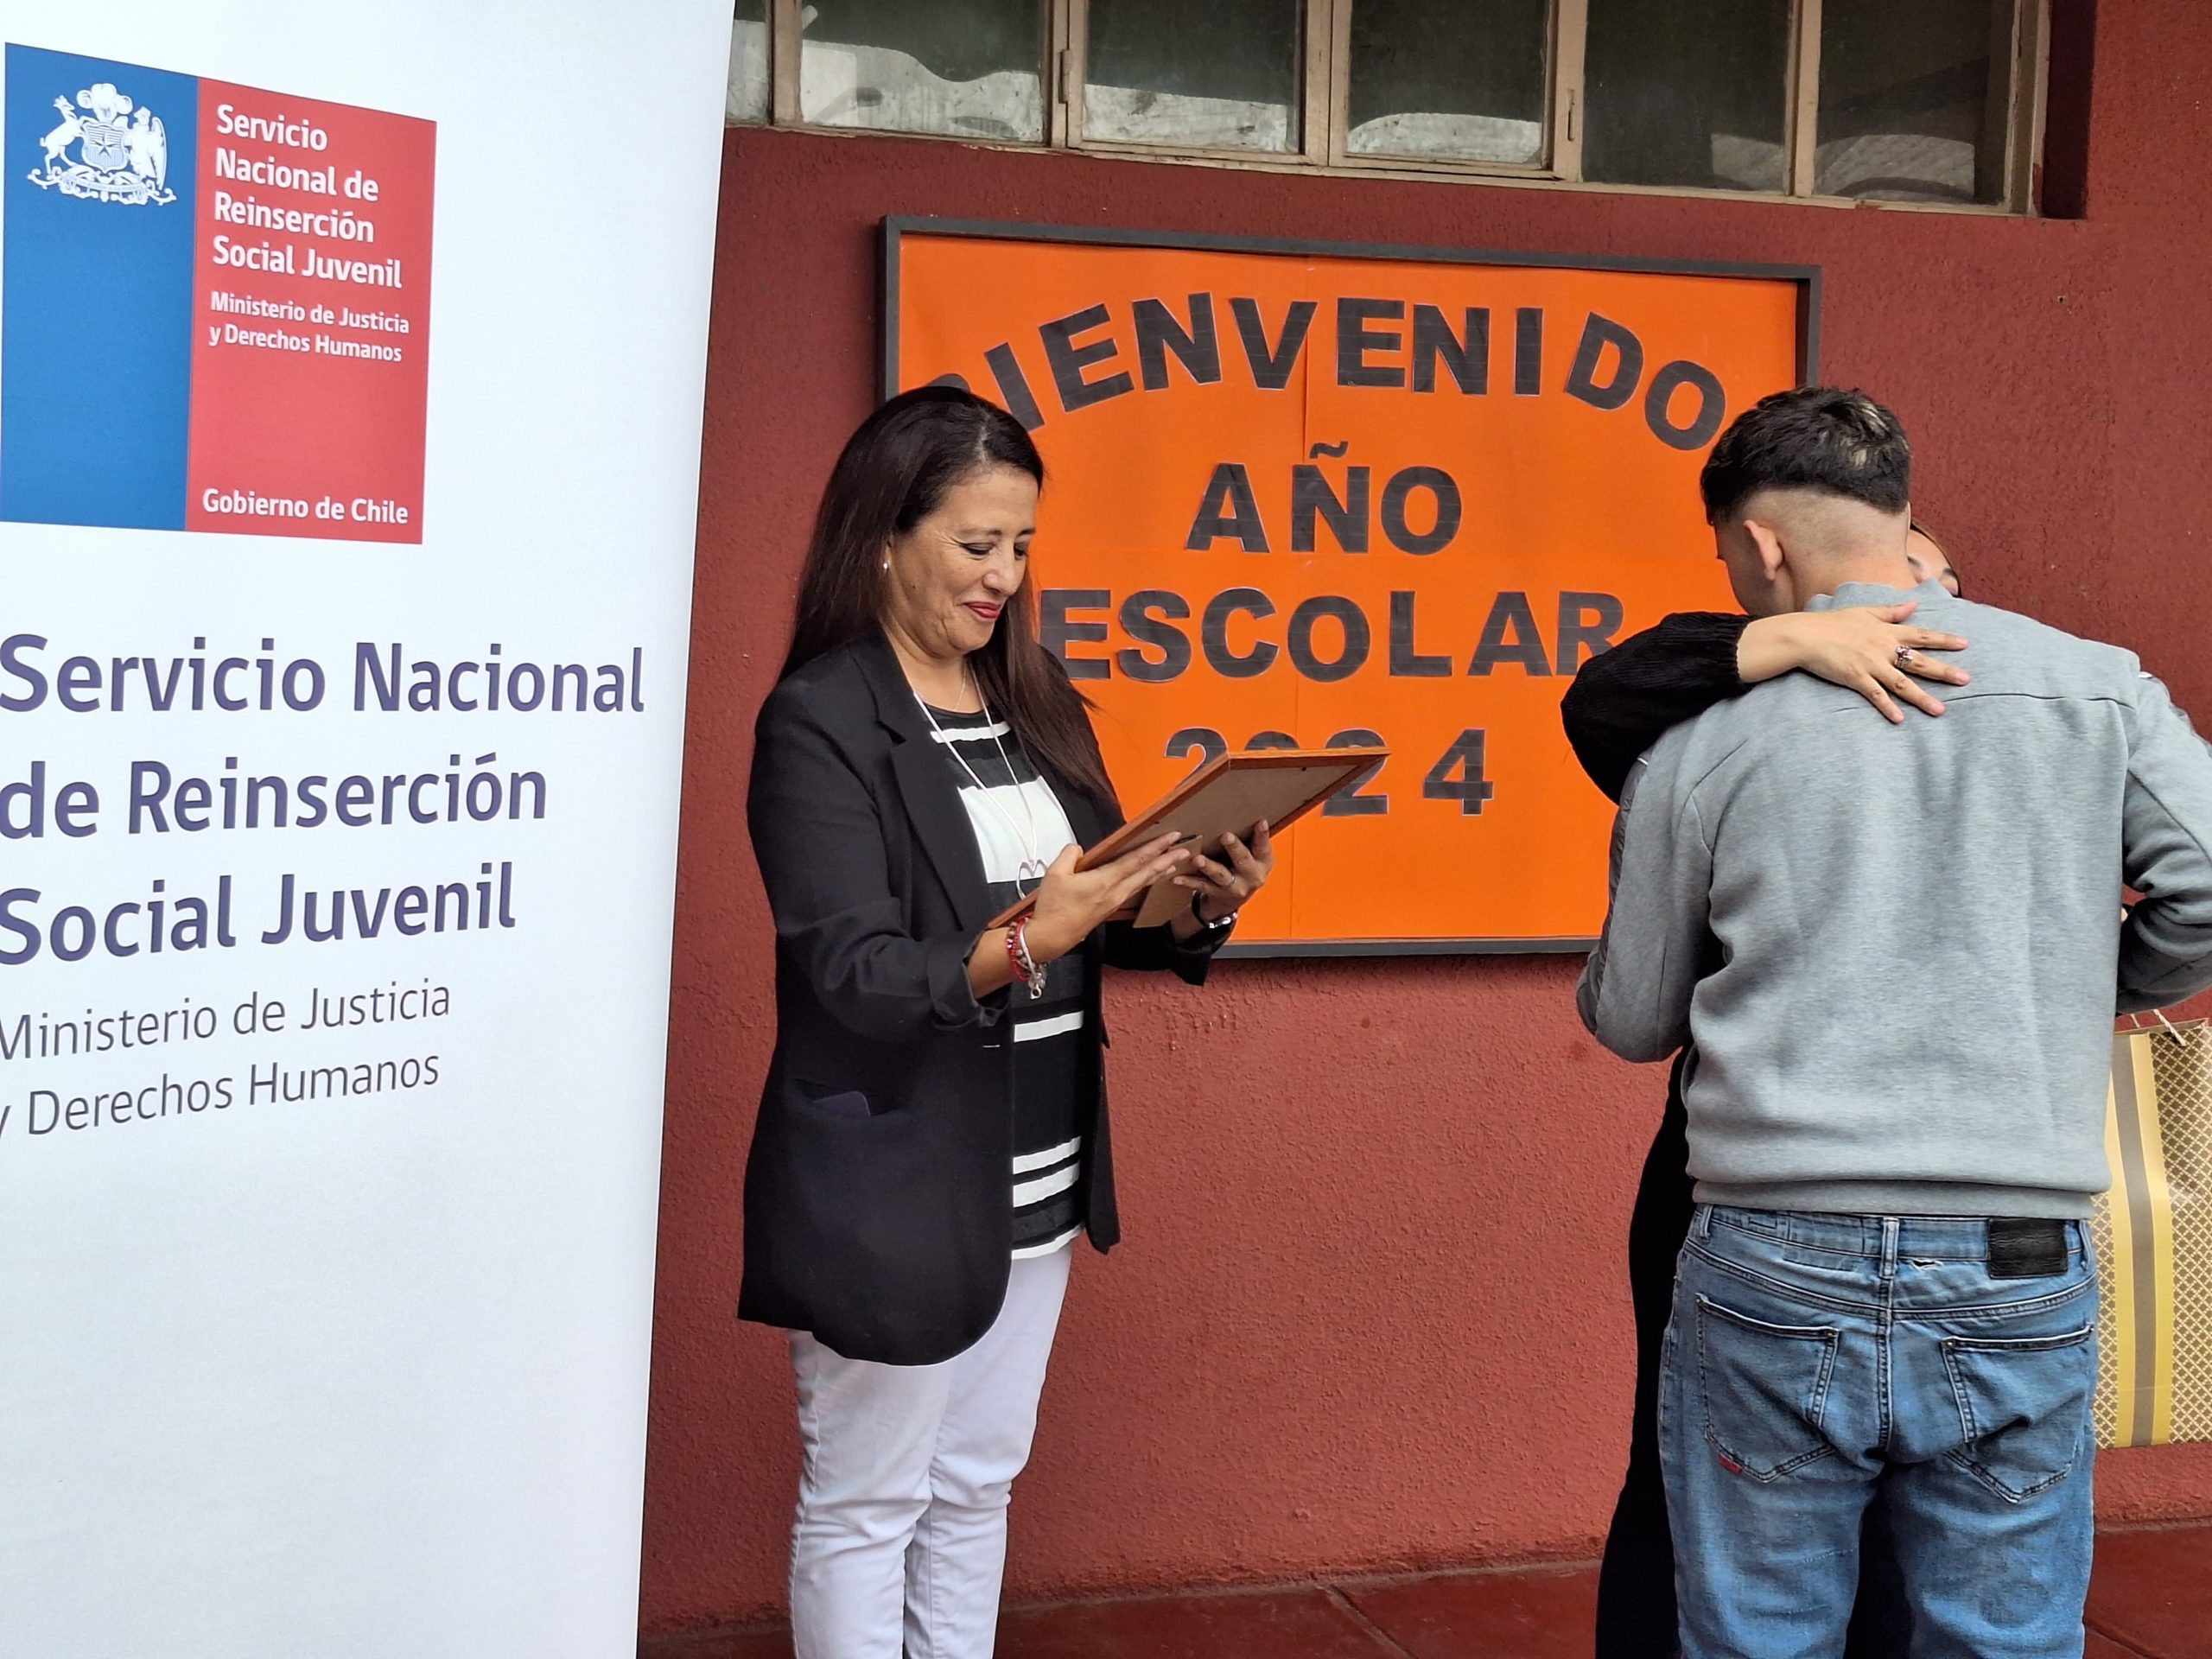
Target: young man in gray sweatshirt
[(1895, 953)]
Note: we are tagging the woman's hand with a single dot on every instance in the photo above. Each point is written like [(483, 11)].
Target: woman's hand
[(1868, 648), (1223, 889), (1072, 902)]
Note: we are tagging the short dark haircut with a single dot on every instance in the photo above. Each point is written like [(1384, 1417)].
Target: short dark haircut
[(1815, 438)]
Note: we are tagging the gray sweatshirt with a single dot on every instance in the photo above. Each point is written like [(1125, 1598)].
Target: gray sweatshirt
[(1896, 950)]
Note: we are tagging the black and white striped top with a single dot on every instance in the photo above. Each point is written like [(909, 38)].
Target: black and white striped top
[(1019, 828)]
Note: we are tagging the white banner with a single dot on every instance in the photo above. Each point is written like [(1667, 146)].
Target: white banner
[(351, 365)]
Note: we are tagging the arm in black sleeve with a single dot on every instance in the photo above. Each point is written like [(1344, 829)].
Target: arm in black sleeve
[(1158, 949), (820, 846), (1624, 699)]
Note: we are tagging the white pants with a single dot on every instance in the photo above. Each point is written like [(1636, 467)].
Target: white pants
[(901, 1539)]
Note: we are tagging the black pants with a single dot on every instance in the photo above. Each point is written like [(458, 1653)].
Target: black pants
[(1636, 1586)]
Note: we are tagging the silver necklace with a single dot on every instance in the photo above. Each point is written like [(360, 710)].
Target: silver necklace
[(1032, 868)]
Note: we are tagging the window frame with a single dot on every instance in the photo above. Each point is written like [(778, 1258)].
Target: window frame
[(1323, 131)]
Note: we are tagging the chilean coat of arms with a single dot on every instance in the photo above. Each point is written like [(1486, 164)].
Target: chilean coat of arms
[(123, 150)]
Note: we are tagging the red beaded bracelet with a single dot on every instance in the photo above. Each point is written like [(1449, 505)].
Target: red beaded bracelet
[(1015, 953)]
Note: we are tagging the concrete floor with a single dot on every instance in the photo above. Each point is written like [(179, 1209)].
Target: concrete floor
[(2152, 1599)]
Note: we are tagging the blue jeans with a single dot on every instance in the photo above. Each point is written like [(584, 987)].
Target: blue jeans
[(1809, 1355)]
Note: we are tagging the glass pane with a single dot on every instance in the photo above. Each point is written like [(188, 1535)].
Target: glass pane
[(1914, 99), (1458, 79), (1221, 76), (747, 100), (966, 67), (1688, 92)]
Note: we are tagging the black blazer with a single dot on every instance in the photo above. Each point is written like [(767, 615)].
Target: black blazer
[(889, 1234)]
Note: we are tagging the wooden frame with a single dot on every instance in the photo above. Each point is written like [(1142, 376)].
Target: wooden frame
[(1801, 152), (1318, 130), (783, 62), (1192, 801), (2031, 87), (1067, 49), (1570, 36), (2020, 35)]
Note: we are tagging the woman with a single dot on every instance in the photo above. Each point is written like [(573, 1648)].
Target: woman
[(1621, 702), (933, 1132)]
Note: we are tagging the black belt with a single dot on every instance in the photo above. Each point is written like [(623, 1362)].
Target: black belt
[(2021, 1247)]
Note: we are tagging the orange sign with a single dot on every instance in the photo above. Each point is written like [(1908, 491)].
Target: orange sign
[(1312, 495)]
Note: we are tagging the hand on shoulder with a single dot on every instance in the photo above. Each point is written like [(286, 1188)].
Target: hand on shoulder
[(1873, 650)]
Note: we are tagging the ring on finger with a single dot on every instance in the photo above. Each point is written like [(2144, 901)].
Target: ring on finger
[(1904, 655)]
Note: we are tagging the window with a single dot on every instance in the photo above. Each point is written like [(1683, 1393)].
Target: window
[(968, 68), (1913, 100), (1688, 92), (1218, 76), (747, 98), (1928, 102), (1462, 82)]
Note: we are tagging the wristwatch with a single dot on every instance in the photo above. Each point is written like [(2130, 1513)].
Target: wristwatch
[(1209, 930)]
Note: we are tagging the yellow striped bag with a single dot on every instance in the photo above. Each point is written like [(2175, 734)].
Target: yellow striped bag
[(2154, 1234)]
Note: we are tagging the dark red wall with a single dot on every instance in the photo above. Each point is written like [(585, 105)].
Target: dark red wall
[(1370, 1312)]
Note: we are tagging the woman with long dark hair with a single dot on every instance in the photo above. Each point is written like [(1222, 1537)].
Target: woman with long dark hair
[(933, 1132)]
